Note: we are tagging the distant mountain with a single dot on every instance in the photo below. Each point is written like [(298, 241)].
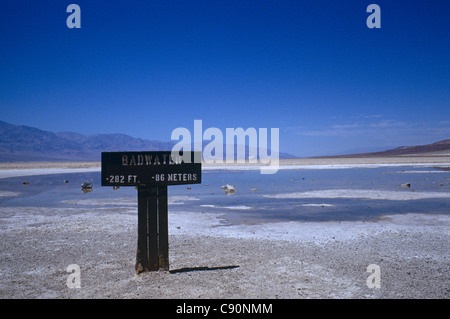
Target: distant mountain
[(437, 148), (20, 143)]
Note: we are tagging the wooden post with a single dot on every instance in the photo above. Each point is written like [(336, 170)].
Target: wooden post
[(142, 242), (153, 235), (163, 228), (151, 172)]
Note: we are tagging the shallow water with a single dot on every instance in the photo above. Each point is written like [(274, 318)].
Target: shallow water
[(253, 202)]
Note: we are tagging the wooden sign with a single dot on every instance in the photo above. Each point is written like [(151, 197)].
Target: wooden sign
[(150, 168), (151, 172)]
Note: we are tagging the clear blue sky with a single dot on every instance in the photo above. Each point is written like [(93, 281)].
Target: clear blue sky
[(313, 69)]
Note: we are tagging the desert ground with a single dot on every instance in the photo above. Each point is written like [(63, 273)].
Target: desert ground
[(211, 260)]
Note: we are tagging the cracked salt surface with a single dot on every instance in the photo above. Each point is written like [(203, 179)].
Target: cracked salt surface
[(363, 194)]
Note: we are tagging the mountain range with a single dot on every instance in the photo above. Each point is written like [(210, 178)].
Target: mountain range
[(19, 143), (436, 149)]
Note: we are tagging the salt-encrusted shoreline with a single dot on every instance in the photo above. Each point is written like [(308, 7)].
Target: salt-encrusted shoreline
[(44, 168), (44, 171), (364, 194)]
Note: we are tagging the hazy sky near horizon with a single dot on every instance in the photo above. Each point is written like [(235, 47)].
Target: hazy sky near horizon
[(313, 69)]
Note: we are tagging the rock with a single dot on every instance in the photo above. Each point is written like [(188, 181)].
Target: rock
[(229, 189), (25, 183), (86, 185)]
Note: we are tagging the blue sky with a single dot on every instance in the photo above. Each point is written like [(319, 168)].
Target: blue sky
[(313, 69)]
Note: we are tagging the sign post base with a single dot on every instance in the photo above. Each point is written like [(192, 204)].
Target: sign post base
[(153, 235)]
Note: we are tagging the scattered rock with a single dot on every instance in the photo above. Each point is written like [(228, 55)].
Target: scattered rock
[(229, 189), (87, 185)]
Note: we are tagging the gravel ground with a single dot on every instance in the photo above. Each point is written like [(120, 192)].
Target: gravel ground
[(210, 260)]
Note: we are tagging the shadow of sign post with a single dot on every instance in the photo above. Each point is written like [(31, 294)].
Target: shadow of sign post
[(151, 173)]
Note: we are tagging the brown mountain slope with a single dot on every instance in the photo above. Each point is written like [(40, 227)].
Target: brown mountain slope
[(437, 148)]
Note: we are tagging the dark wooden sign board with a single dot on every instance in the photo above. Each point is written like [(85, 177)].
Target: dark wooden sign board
[(151, 173)]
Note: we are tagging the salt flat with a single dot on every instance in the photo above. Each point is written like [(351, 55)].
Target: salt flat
[(273, 260), (289, 259), (43, 168), (364, 194)]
